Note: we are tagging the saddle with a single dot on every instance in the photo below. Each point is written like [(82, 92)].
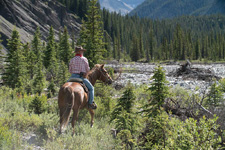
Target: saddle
[(78, 80)]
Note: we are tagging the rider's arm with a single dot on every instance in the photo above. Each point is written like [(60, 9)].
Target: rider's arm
[(71, 65), (87, 68)]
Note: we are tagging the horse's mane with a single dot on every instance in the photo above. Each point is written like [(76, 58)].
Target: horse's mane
[(97, 66), (92, 74)]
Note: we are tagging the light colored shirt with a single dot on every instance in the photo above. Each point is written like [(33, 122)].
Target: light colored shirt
[(79, 64)]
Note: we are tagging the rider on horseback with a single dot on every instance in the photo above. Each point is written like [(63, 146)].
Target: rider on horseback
[(79, 68)]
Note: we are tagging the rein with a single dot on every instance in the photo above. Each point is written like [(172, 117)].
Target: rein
[(103, 74)]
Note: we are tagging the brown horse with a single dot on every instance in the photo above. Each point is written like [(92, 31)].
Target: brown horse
[(73, 97)]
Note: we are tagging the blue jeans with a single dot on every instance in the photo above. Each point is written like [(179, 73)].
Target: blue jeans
[(88, 85)]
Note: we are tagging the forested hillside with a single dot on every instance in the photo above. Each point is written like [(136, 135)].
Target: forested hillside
[(162, 9), (134, 38), (180, 38)]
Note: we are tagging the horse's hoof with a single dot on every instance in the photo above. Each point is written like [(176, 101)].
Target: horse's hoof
[(91, 125)]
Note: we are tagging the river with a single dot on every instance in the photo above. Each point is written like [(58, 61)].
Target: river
[(140, 73)]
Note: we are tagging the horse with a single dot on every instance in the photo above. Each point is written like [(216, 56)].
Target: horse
[(73, 97)]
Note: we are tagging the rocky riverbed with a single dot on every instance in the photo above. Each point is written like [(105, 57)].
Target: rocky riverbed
[(140, 73)]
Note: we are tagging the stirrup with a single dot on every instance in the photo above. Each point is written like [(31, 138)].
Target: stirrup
[(92, 106)]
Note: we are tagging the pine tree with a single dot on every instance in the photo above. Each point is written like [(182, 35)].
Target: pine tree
[(91, 35), (73, 41), (76, 6), (64, 47), (51, 62), (38, 105), (114, 47), (135, 53), (39, 79), (37, 47), (108, 46), (50, 49), (31, 61), (51, 89), (28, 59), (15, 75), (63, 73), (159, 92), (164, 49), (178, 42), (118, 48), (141, 45), (197, 50), (151, 44), (215, 96), (124, 104), (124, 117)]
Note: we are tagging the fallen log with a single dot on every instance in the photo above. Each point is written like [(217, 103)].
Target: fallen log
[(188, 72)]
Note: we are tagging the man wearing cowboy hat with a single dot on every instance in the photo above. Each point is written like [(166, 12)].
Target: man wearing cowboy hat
[(79, 68)]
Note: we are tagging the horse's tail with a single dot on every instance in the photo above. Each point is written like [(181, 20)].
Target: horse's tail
[(65, 110)]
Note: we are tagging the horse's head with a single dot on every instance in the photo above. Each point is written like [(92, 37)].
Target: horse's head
[(104, 76)]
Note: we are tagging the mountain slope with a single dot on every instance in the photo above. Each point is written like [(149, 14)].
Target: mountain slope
[(173, 8), (123, 6), (27, 15)]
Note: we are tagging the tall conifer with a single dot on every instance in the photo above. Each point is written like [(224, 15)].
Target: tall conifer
[(15, 75), (50, 49), (64, 47), (159, 92), (37, 48), (91, 36)]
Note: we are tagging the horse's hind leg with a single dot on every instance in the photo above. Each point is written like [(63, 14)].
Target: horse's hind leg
[(75, 118), (92, 116)]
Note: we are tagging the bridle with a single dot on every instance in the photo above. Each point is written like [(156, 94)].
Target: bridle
[(104, 75)]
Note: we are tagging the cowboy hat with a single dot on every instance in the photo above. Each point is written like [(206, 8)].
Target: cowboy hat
[(79, 48)]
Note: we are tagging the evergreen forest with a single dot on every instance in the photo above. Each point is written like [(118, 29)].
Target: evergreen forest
[(143, 39)]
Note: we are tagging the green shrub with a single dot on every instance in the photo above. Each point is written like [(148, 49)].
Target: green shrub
[(192, 134), (23, 121), (38, 104), (25, 101), (5, 135), (181, 96), (49, 121), (125, 140), (110, 70), (222, 84), (104, 100), (9, 139), (7, 94), (85, 138), (170, 133), (53, 106)]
